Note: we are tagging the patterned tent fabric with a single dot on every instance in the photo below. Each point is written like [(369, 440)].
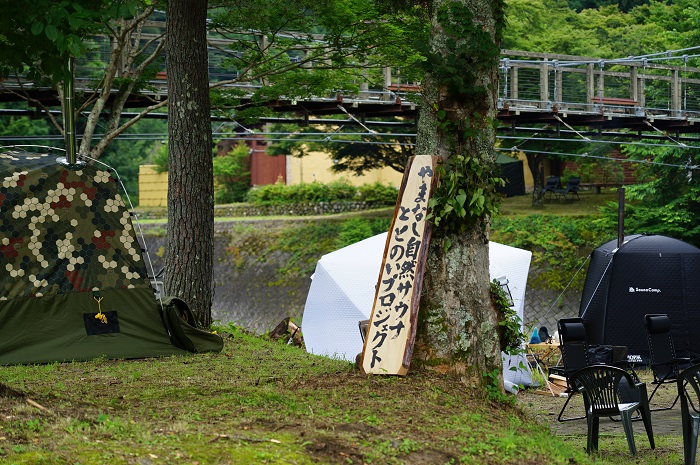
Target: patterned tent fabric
[(63, 230)]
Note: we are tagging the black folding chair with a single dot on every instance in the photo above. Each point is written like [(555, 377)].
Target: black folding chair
[(688, 385), (601, 386), (553, 183), (574, 355), (570, 189), (662, 354)]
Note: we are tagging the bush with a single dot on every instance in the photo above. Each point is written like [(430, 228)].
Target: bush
[(232, 175), (378, 192), (160, 159), (336, 191), (358, 229), (559, 245)]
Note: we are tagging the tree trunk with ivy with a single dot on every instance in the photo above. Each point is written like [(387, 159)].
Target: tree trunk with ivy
[(458, 326), (189, 258)]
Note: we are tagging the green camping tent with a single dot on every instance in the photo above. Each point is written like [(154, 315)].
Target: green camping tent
[(74, 284), (512, 171)]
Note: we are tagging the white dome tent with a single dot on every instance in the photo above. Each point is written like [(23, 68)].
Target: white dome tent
[(343, 287)]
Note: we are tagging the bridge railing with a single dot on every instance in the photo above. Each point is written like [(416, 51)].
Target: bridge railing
[(568, 83)]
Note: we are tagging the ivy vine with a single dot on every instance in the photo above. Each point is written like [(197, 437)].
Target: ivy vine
[(466, 192), (509, 323)]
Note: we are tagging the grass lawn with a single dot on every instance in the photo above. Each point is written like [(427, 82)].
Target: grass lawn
[(261, 401), (587, 205)]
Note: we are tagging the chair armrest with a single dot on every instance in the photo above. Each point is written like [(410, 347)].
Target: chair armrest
[(627, 366)]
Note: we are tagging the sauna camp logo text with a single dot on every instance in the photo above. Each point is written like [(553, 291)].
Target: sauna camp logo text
[(645, 289)]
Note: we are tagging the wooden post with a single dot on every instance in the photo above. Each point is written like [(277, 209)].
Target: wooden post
[(558, 91), (387, 81), (676, 90), (544, 84), (633, 83), (590, 82), (392, 326), (514, 82)]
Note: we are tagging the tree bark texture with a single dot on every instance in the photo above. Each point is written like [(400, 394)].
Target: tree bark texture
[(457, 323), (189, 250)]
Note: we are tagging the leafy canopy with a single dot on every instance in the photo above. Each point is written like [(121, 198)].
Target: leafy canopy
[(39, 35)]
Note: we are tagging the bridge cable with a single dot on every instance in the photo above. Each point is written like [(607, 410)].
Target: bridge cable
[(570, 128), (517, 147), (356, 120), (621, 160), (680, 144)]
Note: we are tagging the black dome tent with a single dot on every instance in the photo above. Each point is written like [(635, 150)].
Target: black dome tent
[(647, 274)]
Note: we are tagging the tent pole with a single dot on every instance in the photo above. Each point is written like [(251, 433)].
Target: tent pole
[(620, 216), (69, 112)]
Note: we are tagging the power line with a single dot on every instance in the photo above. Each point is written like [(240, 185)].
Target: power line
[(599, 157)]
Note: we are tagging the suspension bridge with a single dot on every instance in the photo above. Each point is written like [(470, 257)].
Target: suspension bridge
[(655, 95)]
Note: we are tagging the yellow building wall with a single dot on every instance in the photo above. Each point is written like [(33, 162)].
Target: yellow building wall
[(316, 166), (153, 187), (529, 180)]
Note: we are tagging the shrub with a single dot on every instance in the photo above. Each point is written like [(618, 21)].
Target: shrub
[(232, 175), (559, 245), (336, 191), (160, 159), (378, 192), (357, 229)]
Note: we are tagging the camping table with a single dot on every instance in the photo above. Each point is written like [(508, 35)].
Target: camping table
[(545, 353), (541, 354)]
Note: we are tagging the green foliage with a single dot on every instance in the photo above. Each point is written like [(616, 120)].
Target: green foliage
[(359, 38), (377, 192), (509, 322), (598, 170), (126, 154), (559, 245), (466, 192), (336, 191), (24, 126), (357, 229), (469, 52), (667, 200), (160, 158), (41, 37), (493, 388), (232, 175), (612, 30), (624, 5), (308, 242)]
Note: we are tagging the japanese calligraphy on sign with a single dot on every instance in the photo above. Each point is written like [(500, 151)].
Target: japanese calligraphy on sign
[(392, 327)]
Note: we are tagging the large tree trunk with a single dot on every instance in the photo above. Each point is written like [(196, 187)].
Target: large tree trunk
[(457, 323), (190, 245)]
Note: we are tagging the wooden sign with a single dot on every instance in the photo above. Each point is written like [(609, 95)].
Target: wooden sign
[(392, 326)]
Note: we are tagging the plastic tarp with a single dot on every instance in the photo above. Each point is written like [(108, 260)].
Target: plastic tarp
[(343, 288)]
